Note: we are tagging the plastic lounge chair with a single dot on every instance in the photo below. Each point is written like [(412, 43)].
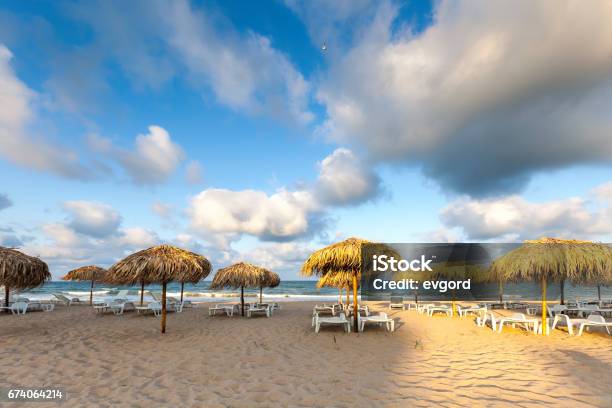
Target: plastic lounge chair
[(68, 301), (154, 307), (440, 309), (17, 308), (379, 319), (324, 309), (424, 308), (212, 311), (396, 302), (253, 309), (463, 311), (520, 319), (119, 307), (340, 320), (487, 317), (595, 321)]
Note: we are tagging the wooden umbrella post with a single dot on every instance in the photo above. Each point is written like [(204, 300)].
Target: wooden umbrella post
[(544, 327), (348, 301), (562, 289), (355, 307), (599, 292), (6, 296), (141, 293), (242, 299), (91, 293), (261, 294), (339, 296), (163, 317), (182, 289)]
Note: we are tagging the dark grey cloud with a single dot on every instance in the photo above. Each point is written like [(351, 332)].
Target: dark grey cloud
[(484, 97), (5, 201)]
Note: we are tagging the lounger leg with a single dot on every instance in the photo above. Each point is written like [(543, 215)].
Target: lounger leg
[(317, 327), (582, 325)]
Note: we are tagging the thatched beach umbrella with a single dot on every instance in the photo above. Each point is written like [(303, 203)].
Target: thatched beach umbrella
[(340, 280), (159, 264), (556, 260), (243, 275), (87, 273), (342, 258), (272, 280), (18, 270)]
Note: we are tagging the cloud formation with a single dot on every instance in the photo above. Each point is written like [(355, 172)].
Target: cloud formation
[(514, 218), (153, 160), (19, 144), (92, 218), (5, 201), (286, 214), (488, 94)]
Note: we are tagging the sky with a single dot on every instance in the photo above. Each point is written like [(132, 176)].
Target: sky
[(261, 131)]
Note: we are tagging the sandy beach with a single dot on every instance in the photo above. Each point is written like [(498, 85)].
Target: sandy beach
[(115, 361)]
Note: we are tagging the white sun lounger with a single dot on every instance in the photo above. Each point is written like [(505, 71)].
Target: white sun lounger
[(482, 320), (379, 319), (519, 318), (424, 308), (396, 302), (17, 308), (119, 307), (463, 311), (256, 309), (154, 307), (68, 301), (595, 321), (340, 320), (440, 309), (324, 308)]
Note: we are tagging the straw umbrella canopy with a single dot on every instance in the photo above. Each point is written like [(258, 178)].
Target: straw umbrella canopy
[(243, 275), (341, 258), (87, 273), (272, 280), (18, 270), (159, 264), (556, 260), (340, 280)]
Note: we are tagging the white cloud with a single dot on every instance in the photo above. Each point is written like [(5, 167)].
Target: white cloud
[(491, 92), (513, 217), (17, 142), (194, 172), (154, 159), (244, 71), (220, 215), (92, 218), (137, 237), (282, 257), (282, 215), (345, 179)]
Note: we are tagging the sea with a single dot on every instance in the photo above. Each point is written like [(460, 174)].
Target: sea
[(291, 290)]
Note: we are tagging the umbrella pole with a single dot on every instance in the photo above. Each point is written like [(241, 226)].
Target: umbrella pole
[(416, 297), (182, 288), (348, 301), (355, 307), (260, 294), (141, 293), (599, 292), (91, 293), (544, 327), (163, 317), (242, 299), (339, 296), (6, 296), (561, 288)]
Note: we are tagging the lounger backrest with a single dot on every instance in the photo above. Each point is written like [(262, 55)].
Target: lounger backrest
[(383, 315), (596, 319)]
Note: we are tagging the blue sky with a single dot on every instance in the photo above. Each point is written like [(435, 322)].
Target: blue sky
[(223, 127)]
